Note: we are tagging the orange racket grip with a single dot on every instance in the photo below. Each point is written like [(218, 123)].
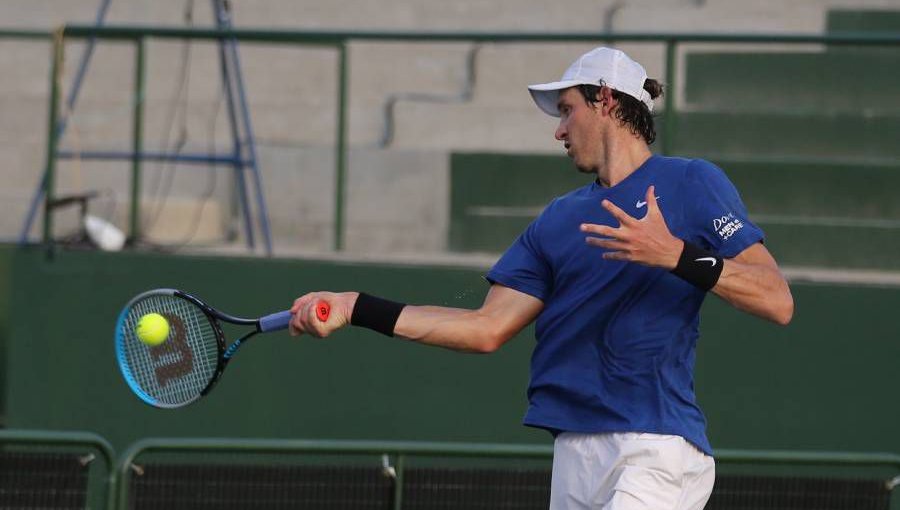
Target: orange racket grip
[(323, 310)]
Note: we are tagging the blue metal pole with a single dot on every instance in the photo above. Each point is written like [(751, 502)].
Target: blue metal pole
[(239, 163), (61, 121), (250, 143), (82, 66)]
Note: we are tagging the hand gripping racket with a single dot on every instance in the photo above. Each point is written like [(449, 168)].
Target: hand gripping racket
[(191, 360)]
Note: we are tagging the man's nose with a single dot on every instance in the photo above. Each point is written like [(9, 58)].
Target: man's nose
[(561, 131)]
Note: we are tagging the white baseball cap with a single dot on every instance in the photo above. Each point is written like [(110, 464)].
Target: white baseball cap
[(613, 67)]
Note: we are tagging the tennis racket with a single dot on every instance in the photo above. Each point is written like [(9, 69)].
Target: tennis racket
[(187, 365)]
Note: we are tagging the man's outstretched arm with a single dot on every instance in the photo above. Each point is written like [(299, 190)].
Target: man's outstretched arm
[(503, 314)]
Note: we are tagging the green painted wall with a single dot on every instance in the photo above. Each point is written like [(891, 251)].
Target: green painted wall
[(5, 291), (827, 382), (357, 385)]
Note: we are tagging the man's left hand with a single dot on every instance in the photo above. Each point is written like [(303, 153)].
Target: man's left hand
[(647, 241)]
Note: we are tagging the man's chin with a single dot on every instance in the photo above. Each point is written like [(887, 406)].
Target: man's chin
[(583, 169), (580, 166)]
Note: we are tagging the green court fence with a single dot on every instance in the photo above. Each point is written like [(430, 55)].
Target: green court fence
[(55, 470), (192, 473)]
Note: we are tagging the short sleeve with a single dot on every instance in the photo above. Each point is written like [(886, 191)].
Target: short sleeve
[(715, 213), (523, 267)]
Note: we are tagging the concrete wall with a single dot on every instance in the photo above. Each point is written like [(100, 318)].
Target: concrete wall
[(292, 95)]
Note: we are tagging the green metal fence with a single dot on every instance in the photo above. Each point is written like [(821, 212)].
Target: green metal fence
[(109, 483), (394, 456), (28, 458), (339, 40), (397, 457)]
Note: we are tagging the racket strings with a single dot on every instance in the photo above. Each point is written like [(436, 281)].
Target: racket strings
[(178, 370)]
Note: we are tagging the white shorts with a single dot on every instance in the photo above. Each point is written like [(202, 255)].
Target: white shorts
[(629, 471)]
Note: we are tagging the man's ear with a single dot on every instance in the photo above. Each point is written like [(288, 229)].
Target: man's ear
[(606, 100)]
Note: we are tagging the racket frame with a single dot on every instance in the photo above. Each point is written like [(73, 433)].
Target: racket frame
[(223, 356)]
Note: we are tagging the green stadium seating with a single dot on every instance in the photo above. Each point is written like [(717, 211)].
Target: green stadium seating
[(799, 137), (865, 20), (495, 196), (861, 82), (814, 214)]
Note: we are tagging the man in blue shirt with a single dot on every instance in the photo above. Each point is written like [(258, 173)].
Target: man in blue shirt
[(615, 274)]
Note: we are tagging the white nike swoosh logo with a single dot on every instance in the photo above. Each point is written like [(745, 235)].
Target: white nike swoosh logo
[(642, 203), (711, 260)]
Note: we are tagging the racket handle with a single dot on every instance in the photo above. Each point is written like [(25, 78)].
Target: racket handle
[(280, 320), (275, 321)]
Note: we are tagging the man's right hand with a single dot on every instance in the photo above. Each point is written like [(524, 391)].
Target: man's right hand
[(305, 320)]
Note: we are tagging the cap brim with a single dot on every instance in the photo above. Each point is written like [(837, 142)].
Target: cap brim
[(546, 95)]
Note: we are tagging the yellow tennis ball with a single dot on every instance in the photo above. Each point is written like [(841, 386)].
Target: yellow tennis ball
[(152, 329)]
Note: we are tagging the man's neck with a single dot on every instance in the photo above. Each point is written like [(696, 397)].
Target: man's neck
[(623, 155)]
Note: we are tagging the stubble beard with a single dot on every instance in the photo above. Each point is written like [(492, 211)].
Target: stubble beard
[(583, 168)]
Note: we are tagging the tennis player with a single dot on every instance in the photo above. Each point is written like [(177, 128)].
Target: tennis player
[(614, 273)]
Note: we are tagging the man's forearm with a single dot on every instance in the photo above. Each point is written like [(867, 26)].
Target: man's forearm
[(452, 328), (757, 289)]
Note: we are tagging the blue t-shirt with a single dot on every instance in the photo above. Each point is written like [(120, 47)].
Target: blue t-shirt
[(616, 340)]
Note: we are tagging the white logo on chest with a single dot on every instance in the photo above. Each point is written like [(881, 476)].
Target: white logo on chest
[(642, 203)]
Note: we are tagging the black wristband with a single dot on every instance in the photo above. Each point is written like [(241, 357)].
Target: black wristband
[(376, 313), (698, 267)]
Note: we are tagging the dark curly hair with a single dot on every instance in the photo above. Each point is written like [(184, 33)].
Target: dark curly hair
[(631, 111)]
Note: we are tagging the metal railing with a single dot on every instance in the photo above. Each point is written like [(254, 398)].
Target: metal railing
[(339, 40), (91, 443), (397, 455), (401, 452)]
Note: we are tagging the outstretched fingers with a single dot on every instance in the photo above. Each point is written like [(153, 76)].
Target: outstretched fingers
[(609, 244), (600, 230), (621, 216), (647, 241)]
